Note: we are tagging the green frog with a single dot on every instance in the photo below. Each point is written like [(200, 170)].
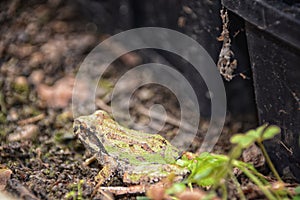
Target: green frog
[(134, 156)]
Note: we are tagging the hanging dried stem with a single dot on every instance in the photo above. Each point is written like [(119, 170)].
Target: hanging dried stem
[(226, 64)]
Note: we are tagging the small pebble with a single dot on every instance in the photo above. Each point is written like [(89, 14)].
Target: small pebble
[(36, 59), (66, 13), (21, 86), (54, 3), (55, 50), (81, 43), (187, 10), (42, 37), (13, 115), (145, 94), (36, 77), (20, 51), (23, 37), (42, 12), (21, 81), (60, 27), (32, 29), (181, 22)]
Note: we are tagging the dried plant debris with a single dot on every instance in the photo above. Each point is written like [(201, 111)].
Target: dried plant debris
[(4, 177), (226, 63)]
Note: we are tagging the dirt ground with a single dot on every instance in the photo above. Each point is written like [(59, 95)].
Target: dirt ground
[(42, 44)]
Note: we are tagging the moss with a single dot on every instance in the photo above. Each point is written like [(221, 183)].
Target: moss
[(63, 135), (21, 88), (63, 119), (2, 118)]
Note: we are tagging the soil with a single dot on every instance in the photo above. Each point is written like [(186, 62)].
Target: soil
[(42, 44)]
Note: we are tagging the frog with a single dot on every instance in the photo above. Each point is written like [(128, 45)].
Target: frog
[(136, 157)]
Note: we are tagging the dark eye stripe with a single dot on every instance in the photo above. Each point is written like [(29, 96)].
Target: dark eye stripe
[(90, 136)]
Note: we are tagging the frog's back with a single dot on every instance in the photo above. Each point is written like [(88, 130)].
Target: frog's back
[(134, 147)]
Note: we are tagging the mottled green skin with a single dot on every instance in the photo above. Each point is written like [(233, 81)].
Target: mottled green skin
[(138, 157)]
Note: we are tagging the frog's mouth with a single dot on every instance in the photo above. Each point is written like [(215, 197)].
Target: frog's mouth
[(76, 127)]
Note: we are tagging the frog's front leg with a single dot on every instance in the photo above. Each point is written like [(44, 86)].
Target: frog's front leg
[(109, 168)]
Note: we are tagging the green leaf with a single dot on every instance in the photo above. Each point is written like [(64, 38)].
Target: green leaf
[(296, 197), (297, 190), (176, 188), (182, 163), (236, 152), (261, 129), (270, 132), (254, 133), (206, 182), (243, 140), (205, 171)]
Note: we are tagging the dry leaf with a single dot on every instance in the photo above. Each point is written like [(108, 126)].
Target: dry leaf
[(58, 95), (254, 155), (26, 132)]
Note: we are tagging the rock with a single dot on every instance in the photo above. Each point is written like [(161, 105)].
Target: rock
[(60, 27), (58, 95), (42, 12), (82, 43), (254, 155), (32, 29), (55, 50), (20, 51), (36, 59), (36, 77), (54, 3), (21, 85), (66, 13), (27, 132), (4, 177)]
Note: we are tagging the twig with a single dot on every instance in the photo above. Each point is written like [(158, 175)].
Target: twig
[(169, 119), (288, 149), (107, 196), (101, 104), (31, 119), (145, 111), (118, 190)]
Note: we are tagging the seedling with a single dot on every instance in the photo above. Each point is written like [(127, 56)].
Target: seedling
[(76, 193), (262, 133), (297, 193), (214, 170)]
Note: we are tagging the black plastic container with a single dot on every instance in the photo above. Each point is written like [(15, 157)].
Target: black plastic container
[(273, 35), (201, 21)]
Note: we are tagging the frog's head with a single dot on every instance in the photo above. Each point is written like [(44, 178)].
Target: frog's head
[(85, 128)]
